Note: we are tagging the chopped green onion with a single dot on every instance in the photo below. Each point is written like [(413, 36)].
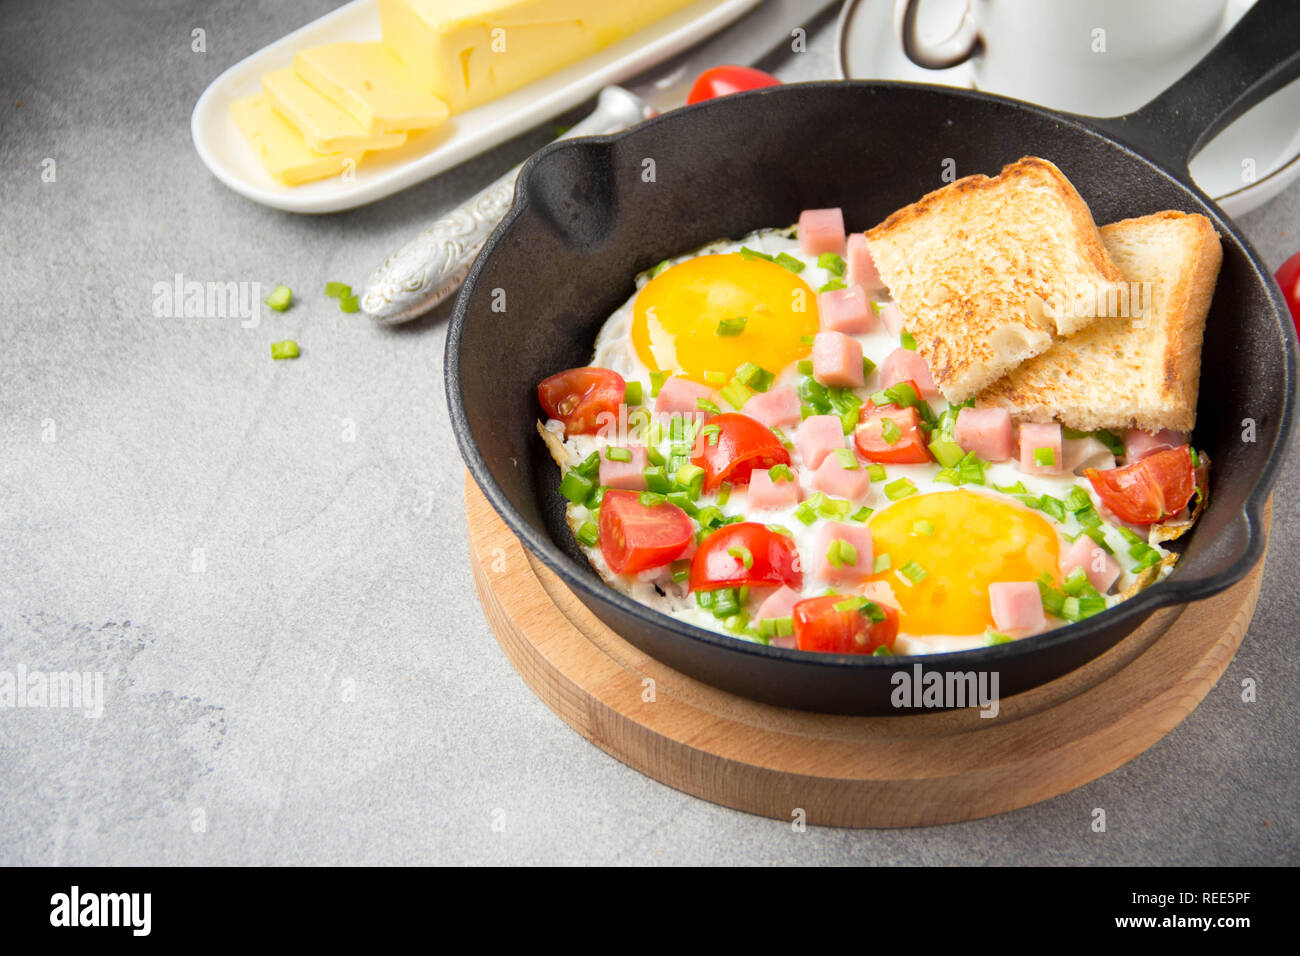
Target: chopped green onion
[(658, 269), (657, 380), (907, 341), (805, 367), (681, 570), (710, 517), (890, 431), (779, 473), (947, 476), (349, 303), (882, 651), (1077, 500), (632, 394), (900, 488), (724, 493), (287, 349), (748, 253), (715, 378), (652, 499), (876, 307), (1045, 457), (1099, 537), (1075, 582), (1053, 507), (1017, 489), (280, 298), (588, 534), (789, 261), (993, 638), (831, 262), (876, 472), (682, 499), (868, 366), (736, 394), (882, 563), (704, 405), (805, 513), (711, 432), (1088, 517), (901, 394), (589, 467), (618, 454), (337, 290), (862, 514), (848, 461), (704, 599), (575, 487), (755, 377), (731, 326), (947, 453), (595, 498), (1130, 536), (923, 528), (841, 553), (913, 572), (836, 508), (743, 555), (690, 479), (832, 285), (656, 480)]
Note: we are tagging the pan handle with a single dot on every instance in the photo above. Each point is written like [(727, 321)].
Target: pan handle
[(1258, 56)]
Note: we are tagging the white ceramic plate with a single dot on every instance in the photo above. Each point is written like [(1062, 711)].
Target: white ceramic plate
[(1245, 166), (225, 152)]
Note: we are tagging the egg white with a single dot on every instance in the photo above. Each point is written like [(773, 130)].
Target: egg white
[(615, 350)]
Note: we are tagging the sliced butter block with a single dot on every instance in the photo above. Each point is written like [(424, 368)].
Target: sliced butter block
[(370, 85), (476, 50), (325, 127), (281, 148)]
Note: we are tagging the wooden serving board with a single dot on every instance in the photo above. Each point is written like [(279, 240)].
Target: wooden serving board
[(848, 771)]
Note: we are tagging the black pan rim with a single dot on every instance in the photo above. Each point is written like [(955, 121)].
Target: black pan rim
[(1167, 592)]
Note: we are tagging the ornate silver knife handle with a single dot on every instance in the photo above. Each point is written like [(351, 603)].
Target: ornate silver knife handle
[(432, 266)]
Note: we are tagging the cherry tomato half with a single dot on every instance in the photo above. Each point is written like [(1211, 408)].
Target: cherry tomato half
[(722, 80), (579, 396), (910, 448), (1147, 491), (1288, 277), (635, 537), (819, 627), (720, 561), (742, 444)]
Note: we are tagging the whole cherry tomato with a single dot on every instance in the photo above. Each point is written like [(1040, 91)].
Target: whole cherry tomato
[(722, 80)]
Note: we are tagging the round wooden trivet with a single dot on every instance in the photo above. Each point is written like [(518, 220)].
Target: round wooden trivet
[(848, 771)]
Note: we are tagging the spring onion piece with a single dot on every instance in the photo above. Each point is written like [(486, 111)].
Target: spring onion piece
[(1017, 489), (848, 461), (923, 528), (280, 298), (726, 602), (890, 431), (836, 508), (575, 487), (704, 599), (1099, 537), (779, 473), (1052, 506), (656, 482), (704, 405), (711, 432), (595, 498), (657, 380), (618, 454), (805, 367), (876, 472), (349, 303), (947, 476), (913, 572), (755, 377), (907, 341), (714, 378), (947, 453), (789, 261), (831, 262), (633, 393), (658, 269), (748, 253), (805, 513), (993, 638), (901, 394), (899, 488), (862, 514), (683, 500), (589, 467), (743, 555), (832, 285), (652, 498), (736, 394), (337, 290), (731, 326), (841, 553), (868, 366), (882, 651), (681, 570), (588, 534), (876, 307), (710, 517), (690, 479), (882, 563), (1045, 457), (288, 349), (1077, 500), (724, 493)]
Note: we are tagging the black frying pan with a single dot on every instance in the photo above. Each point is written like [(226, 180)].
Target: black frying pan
[(584, 223)]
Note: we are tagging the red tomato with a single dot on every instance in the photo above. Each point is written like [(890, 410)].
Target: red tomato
[(634, 537), (819, 627), (579, 396), (773, 558), (743, 444), (911, 447), (1288, 277), (722, 80), (1153, 489)]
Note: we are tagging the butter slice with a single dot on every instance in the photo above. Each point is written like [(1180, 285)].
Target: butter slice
[(369, 84), (281, 148), (325, 127), (473, 51)]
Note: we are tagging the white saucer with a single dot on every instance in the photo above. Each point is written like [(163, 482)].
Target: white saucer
[(1268, 135), (225, 152)]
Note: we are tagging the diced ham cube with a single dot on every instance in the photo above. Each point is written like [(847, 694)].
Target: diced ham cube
[(817, 437), (780, 604), (678, 396), (1139, 444), (768, 495), (625, 475), (1034, 437), (821, 230), (1102, 569), (837, 359), (834, 479), (846, 310), (817, 563), (1017, 607), (986, 432), (778, 408), (891, 316), (861, 267), (901, 365)]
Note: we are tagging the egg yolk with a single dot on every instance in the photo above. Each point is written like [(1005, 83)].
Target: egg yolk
[(975, 541), (677, 314)]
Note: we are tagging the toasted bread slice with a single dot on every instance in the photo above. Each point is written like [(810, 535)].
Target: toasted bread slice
[(986, 271), (1139, 368)]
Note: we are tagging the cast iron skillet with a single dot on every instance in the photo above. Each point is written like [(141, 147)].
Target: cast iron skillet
[(585, 221)]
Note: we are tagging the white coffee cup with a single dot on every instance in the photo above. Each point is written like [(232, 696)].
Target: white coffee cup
[(1096, 57)]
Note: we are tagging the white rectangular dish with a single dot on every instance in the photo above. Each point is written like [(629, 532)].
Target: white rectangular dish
[(229, 157)]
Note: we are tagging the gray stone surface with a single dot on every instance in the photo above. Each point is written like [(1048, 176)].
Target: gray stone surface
[(267, 560)]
